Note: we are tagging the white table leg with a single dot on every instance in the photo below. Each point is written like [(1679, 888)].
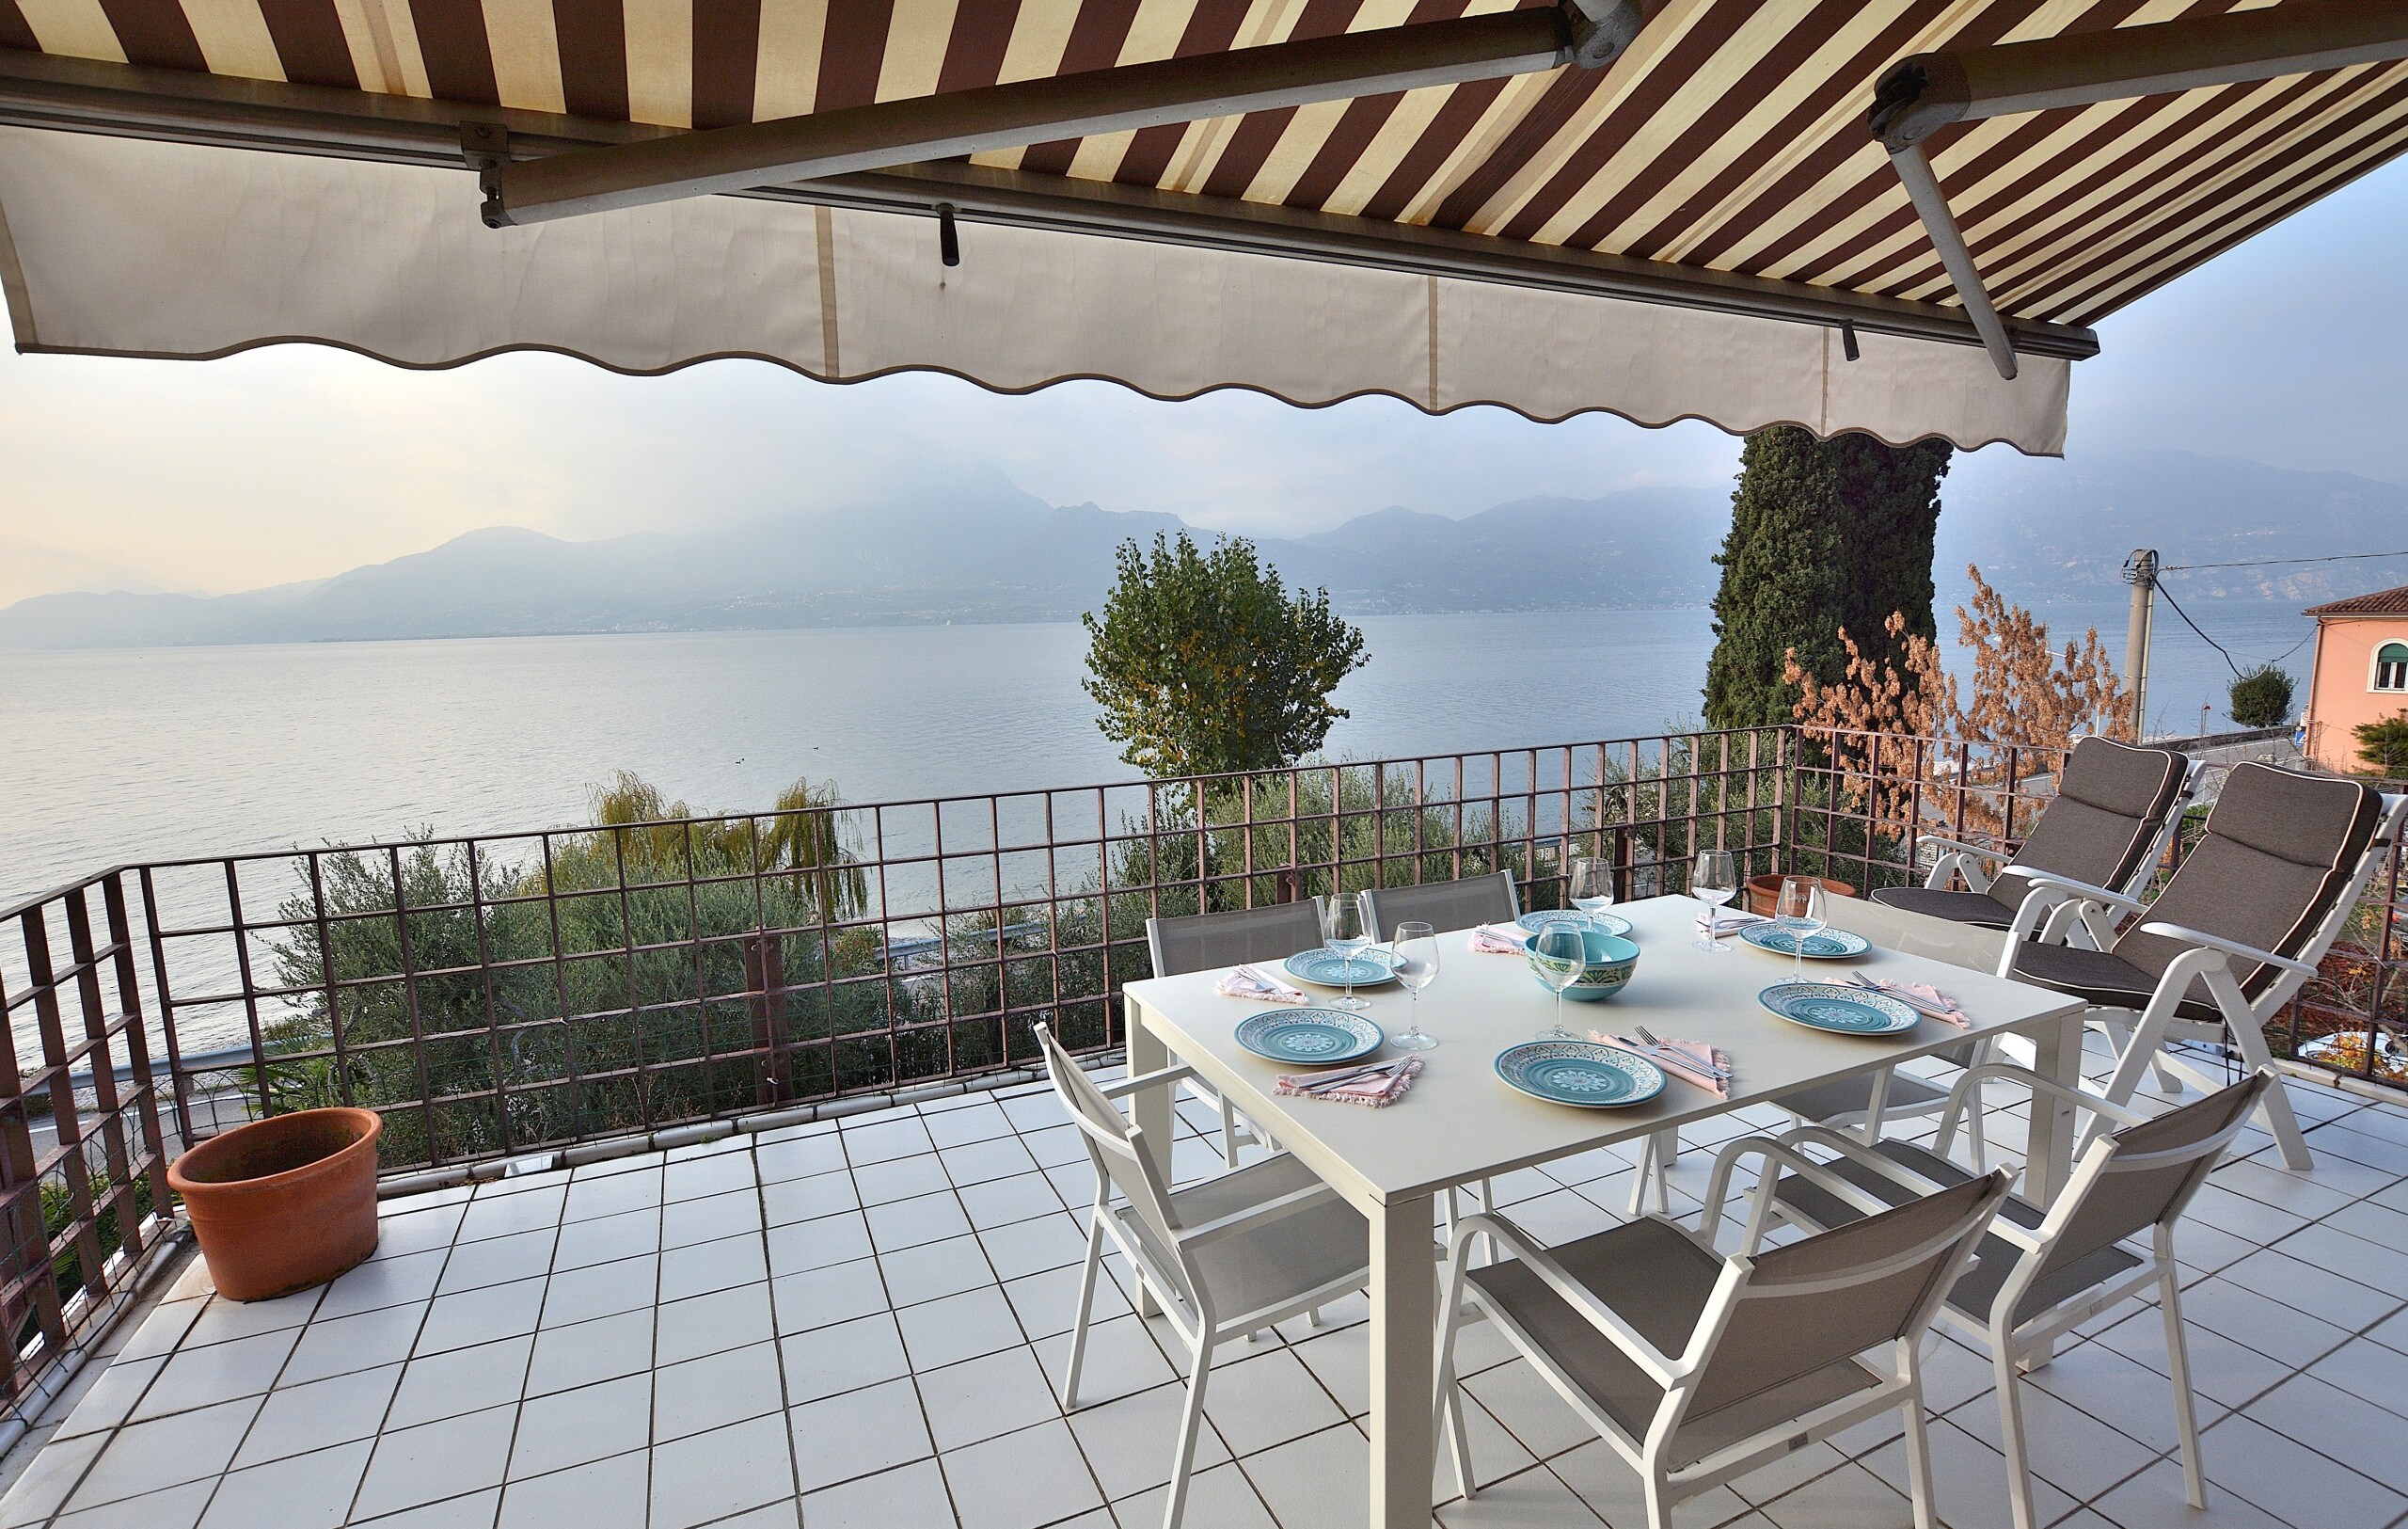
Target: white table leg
[(1152, 1110), (1404, 1296), (2049, 1152)]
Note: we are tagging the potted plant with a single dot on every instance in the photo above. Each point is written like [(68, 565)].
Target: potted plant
[(285, 1202), (1764, 892)]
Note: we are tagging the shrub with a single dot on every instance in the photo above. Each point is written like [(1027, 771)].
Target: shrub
[(2261, 697)]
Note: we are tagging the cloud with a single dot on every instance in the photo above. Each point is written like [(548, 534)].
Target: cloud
[(296, 462)]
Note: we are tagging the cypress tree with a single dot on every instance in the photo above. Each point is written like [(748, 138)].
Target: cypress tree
[(1824, 534)]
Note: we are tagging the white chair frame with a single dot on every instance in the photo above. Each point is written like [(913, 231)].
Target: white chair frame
[(1180, 1289), (1680, 1373), (2014, 1346), (2209, 964)]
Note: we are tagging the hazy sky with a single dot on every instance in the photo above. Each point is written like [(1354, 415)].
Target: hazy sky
[(299, 462)]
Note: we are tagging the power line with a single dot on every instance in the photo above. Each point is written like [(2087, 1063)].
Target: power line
[(2272, 561), (2228, 660)]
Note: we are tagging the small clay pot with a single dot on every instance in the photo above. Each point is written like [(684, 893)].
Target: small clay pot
[(285, 1202), (1764, 892)]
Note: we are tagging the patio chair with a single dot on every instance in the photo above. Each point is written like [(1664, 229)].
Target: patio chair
[(1200, 942), (1225, 1258), (2040, 1273), (1443, 906), (2117, 808), (2255, 906), (1697, 1368)]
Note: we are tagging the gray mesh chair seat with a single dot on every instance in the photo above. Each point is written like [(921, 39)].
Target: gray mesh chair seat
[(2038, 1272), (1443, 906), (2257, 903), (2107, 825), (1697, 1368)]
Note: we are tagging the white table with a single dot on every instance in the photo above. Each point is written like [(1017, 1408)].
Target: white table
[(1462, 1123)]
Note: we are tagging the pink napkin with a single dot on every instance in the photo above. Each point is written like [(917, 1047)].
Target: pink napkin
[(1379, 1091), (1700, 1076), (1922, 996), (1497, 940), (1255, 983)]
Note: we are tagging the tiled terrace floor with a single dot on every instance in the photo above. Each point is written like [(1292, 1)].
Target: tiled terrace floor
[(862, 1323)]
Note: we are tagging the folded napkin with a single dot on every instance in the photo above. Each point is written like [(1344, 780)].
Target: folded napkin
[(1493, 939), (1728, 919), (1377, 1090), (1255, 983), (1920, 997), (1701, 1060)]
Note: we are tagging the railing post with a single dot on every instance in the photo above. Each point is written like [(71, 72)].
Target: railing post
[(765, 976)]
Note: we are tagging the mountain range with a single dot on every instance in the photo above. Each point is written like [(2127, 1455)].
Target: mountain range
[(983, 550)]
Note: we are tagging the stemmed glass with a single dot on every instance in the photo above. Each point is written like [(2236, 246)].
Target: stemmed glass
[(1712, 881), (1417, 966), (1800, 912), (1562, 949), (1345, 930), (1592, 886)]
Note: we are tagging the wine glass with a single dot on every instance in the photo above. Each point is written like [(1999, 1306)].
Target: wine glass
[(1417, 966), (1800, 912), (1562, 949), (1345, 930), (1713, 881), (1592, 886)]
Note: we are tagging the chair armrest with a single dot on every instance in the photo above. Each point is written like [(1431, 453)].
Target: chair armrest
[(1270, 1210), (1661, 1367), (1143, 1081), (2231, 947), (2081, 1098), (1775, 1151), (1987, 851)]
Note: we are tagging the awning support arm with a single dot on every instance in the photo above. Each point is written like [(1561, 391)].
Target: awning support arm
[(1923, 189), (1918, 96), (1589, 33)]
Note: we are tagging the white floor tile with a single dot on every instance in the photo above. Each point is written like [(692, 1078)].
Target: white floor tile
[(982, 1398), (297, 1419), (481, 1316), (301, 1491), (178, 1507), (602, 1349), (580, 1295), (941, 1332), (165, 1452), (913, 1495), (436, 1460), (570, 1427), (499, 1260), (459, 1380), (823, 1297), (710, 1476), (687, 1221), (714, 1392), (857, 1433), (723, 1319), (604, 1494), (217, 1372), (1020, 1481), (845, 1357), (699, 1269)]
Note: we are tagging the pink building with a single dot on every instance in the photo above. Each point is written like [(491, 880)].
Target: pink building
[(2360, 673)]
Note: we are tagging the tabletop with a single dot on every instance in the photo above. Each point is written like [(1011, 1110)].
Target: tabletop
[(1461, 1121)]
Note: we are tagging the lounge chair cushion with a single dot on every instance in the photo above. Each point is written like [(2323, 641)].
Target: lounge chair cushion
[(2103, 977), (2279, 852), (1979, 908)]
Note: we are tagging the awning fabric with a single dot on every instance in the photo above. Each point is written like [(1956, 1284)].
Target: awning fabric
[(1730, 137), (117, 247)]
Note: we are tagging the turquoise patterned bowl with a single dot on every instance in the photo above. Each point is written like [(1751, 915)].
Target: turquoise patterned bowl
[(1610, 959)]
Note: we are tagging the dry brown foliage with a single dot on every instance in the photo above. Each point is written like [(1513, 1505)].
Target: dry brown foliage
[(2026, 696)]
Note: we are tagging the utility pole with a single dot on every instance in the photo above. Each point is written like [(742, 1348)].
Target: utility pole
[(2140, 572)]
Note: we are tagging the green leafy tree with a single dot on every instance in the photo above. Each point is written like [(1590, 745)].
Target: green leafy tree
[(1825, 536), (2384, 745), (2262, 697), (1204, 663)]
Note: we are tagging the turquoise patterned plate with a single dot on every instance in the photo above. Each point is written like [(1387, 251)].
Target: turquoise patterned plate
[(1842, 1009), (1534, 922), (1325, 968), (1824, 945), (1579, 1073), (1310, 1037)]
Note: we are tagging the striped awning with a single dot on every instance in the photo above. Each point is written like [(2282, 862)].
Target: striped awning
[(1729, 139)]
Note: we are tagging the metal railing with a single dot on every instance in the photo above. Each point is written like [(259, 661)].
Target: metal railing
[(499, 995)]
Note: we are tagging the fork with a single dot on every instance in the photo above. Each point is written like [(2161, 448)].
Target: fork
[(1647, 1038)]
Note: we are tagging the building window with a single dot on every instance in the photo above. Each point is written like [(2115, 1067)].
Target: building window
[(2391, 668)]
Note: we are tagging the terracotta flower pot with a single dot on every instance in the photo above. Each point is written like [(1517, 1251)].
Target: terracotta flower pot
[(283, 1204), (1764, 892)]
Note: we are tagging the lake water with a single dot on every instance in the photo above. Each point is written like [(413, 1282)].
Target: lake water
[(109, 756)]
